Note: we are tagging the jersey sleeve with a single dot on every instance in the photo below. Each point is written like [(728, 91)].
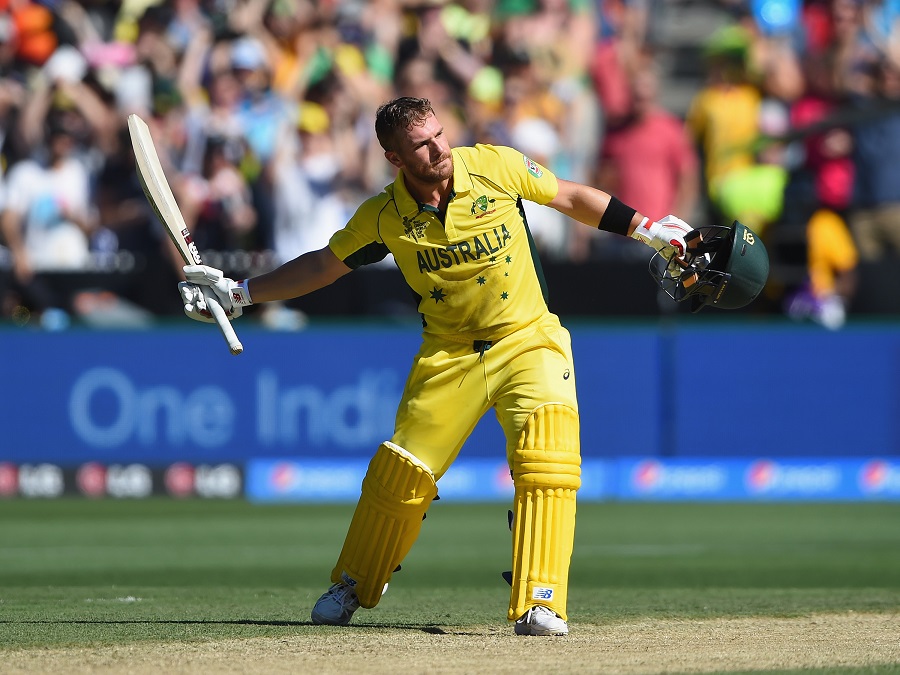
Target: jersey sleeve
[(359, 242), (529, 179)]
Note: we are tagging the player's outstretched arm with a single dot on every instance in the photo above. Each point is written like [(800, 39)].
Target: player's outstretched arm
[(305, 274), (586, 204), (599, 209), (302, 275)]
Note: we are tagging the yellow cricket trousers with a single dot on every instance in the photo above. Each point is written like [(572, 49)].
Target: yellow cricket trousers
[(452, 385)]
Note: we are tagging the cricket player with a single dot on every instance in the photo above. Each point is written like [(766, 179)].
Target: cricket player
[(453, 219)]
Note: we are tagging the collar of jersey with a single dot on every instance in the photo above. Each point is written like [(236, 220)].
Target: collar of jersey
[(407, 206)]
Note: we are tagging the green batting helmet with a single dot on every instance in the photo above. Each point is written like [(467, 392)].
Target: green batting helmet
[(726, 266)]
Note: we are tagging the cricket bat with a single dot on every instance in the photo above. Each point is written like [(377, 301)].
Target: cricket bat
[(159, 194)]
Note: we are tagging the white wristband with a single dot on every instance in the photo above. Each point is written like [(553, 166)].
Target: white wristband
[(240, 294)]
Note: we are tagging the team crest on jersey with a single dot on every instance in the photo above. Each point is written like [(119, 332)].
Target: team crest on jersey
[(533, 167), (482, 204), (414, 228)]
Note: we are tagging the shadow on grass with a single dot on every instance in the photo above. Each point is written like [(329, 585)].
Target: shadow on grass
[(432, 629)]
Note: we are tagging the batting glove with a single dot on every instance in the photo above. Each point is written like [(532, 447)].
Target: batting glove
[(232, 295), (666, 235), (671, 237)]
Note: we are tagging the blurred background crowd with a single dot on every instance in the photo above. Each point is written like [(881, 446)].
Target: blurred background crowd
[(784, 114)]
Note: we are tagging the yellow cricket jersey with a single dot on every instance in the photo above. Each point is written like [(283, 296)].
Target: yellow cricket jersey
[(476, 274), (725, 121)]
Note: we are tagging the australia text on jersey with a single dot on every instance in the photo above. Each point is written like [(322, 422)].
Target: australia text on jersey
[(431, 260)]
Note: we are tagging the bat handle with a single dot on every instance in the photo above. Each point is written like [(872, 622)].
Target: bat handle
[(218, 313)]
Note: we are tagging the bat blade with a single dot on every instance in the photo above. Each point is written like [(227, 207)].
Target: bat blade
[(159, 194)]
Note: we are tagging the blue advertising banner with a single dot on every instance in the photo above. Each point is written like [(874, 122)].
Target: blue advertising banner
[(165, 396), (787, 391), (330, 393), (762, 479), (311, 480), (648, 479)]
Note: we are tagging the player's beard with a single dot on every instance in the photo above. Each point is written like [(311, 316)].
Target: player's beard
[(433, 173)]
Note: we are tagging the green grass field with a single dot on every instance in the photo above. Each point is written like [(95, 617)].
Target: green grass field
[(79, 572)]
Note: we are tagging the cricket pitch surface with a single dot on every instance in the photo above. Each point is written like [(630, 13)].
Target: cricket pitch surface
[(829, 642)]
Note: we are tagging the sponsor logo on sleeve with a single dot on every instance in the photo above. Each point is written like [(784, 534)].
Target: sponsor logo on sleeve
[(533, 167)]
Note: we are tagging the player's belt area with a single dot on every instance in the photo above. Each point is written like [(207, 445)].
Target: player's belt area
[(481, 346)]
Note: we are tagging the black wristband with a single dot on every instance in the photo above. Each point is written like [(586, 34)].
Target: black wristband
[(617, 217)]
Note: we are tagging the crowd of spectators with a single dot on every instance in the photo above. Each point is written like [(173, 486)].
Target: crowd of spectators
[(262, 112)]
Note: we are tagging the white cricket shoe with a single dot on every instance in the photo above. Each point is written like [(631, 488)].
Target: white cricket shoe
[(540, 620), (336, 606)]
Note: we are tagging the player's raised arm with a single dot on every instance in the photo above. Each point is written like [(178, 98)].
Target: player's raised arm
[(304, 274), (599, 209)]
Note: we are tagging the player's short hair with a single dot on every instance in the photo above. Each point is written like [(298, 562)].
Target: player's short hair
[(399, 115)]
